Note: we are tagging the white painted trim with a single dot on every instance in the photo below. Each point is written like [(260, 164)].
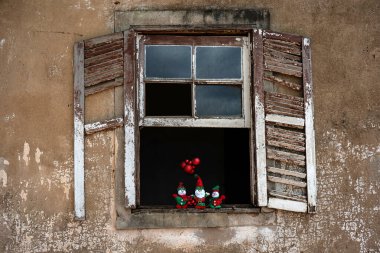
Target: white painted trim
[(261, 155), (288, 205), (79, 197), (285, 119), (309, 131), (129, 126), (103, 125), (191, 122), (246, 89)]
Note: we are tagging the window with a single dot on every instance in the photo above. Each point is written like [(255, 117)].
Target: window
[(193, 97), (177, 82)]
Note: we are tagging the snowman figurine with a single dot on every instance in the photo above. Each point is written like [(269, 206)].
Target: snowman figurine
[(200, 194), (216, 200), (181, 198)]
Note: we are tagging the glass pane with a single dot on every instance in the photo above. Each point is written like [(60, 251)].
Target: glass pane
[(218, 100), (167, 99), (168, 61), (218, 62)]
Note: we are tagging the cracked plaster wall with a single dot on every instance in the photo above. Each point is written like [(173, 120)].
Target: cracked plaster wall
[(36, 161)]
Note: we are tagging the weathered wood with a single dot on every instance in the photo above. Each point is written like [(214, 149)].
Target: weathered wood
[(130, 126), (276, 58), (100, 71), (286, 172), (193, 122), (103, 86), (286, 181), (102, 40), (233, 209), (288, 196), (284, 103), (282, 36), (287, 134), (282, 42), (286, 157), (276, 109), (103, 125), (295, 142), (92, 68), (104, 58), (284, 140), (283, 70), (79, 197), (258, 95), (105, 76), (281, 55), (296, 100), (282, 64), (309, 127), (285, 120), (288, 205), (111, 46), (282, 144), (289, 49)]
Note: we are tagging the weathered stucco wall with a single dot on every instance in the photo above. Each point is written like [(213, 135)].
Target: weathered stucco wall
[(36, 154)]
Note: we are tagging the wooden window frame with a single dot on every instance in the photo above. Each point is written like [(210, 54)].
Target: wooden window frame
[(134, 108)]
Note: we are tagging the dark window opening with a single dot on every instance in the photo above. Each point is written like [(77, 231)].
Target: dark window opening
[(168, 99), (224, 155)]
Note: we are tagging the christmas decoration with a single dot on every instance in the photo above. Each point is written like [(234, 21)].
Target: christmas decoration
[(200, 194), (181, 198), (189, 166), (216, 200)]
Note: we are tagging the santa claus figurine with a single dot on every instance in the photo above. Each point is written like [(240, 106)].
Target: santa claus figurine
[(200, 194), (216, 200), (181, 198)]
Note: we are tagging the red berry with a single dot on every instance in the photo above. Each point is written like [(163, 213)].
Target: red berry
[(183, 164), (188, 169), (196, 161), (190, 162), (186, 161)]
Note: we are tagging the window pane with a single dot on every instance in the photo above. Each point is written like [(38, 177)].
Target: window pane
[(224, 155), (218, 100), (167, 99), (218, 62), (168, 61)]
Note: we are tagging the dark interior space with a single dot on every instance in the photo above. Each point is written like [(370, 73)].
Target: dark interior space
[(224, 155), (164, 99)]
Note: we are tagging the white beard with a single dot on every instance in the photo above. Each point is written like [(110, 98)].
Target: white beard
[(200, 193), (215, 194), (182, 192)]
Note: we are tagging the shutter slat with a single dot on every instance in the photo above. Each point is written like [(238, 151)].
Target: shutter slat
[(103, 59), (288, 118)]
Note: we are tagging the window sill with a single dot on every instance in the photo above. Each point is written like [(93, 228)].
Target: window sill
[(234, 209), (192, 218)]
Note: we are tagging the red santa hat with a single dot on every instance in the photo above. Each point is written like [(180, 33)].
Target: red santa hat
[(181, 186), (199, 184)]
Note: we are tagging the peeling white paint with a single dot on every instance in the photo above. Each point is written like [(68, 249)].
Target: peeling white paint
[(9, 117), (25, 155), (37, 157), (2, 42), (23, 195), (6, 162), (3, 178)]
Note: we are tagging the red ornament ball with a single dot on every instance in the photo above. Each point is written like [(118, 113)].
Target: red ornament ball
[(196, 161)]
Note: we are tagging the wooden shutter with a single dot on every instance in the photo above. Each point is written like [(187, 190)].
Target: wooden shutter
[(283, 106), (98, 66)]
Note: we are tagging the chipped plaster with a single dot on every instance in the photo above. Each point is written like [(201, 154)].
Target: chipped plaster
[(36, 210)]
